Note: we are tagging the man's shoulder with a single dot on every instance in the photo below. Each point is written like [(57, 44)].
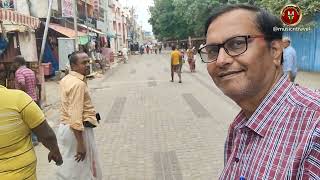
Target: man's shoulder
[(19, 70), (303, 97), (25, 70), (290, 50), (14, 92), (14, 95), (71, 81)]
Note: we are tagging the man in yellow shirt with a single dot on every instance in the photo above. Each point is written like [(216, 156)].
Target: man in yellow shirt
[(78, 117), (19, 116), (176, 59)]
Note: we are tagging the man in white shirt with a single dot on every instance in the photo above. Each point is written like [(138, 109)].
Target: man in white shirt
[(290, 59)]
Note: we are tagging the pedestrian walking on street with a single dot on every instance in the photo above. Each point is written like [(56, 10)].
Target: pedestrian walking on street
[(175, 63), (125, 55), (182, 59), (160, 48), (191, 60), (276, 135), (151, 48), (107, 55), (78, 118), (147, 49), (155, 48), (289, 59), (194, 58), (141, 49), (19, 116), (25, 80)]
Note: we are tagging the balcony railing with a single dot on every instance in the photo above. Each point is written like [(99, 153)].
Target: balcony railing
[(18, 18)]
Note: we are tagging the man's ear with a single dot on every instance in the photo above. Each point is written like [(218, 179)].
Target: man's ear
[(276, 51)]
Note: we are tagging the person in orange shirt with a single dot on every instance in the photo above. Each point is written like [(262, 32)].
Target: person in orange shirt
[(78, 118), (175, 63)]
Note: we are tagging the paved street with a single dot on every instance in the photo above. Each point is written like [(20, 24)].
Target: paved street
[(153, 129)]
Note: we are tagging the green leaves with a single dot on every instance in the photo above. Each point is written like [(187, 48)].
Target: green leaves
[(308, 7), (179, 19)]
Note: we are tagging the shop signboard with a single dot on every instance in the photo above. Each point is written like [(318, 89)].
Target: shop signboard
[(67, 8)]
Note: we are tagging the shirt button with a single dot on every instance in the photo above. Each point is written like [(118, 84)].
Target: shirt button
[(236, 159)]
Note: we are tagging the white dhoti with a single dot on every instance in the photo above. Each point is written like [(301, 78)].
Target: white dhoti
[(89, 168)]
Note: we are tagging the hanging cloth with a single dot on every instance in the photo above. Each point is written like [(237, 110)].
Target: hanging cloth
[(3, 45)]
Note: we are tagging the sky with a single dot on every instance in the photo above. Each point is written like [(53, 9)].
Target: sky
[(141, 7)]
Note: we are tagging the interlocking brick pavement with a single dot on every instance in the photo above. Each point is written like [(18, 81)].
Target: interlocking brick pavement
[(153, 129)]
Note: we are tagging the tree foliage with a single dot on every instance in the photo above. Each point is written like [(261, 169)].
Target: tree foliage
[(309, 7), (179, 19)]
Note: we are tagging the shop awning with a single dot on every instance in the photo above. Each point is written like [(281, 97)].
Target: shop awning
[(66, 31), (17, 18), (91, 29)]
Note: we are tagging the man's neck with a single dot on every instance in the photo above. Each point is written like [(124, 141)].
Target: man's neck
[(249, 106), (77, 72), (79, 75)]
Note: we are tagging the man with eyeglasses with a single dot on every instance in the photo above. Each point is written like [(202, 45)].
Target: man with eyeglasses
[(277, 133)]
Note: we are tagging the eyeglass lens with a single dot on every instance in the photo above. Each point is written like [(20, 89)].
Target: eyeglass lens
[(233, 47)]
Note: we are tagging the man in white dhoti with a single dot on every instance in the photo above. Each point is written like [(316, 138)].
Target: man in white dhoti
[(78, 118), (125, 54)]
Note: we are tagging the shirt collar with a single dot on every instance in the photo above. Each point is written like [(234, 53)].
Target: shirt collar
[(77, 75), (260, 121)]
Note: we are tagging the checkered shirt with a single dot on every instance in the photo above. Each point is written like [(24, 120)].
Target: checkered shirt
[(26, 77), (281, 140)]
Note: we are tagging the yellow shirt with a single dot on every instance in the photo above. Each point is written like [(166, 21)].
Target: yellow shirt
[(18, 115), (76, 105), (175, 57)]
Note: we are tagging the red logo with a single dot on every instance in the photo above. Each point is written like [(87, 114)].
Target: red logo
[(291, 15)]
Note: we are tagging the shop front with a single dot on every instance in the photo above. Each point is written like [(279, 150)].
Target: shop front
[(17, 38)]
